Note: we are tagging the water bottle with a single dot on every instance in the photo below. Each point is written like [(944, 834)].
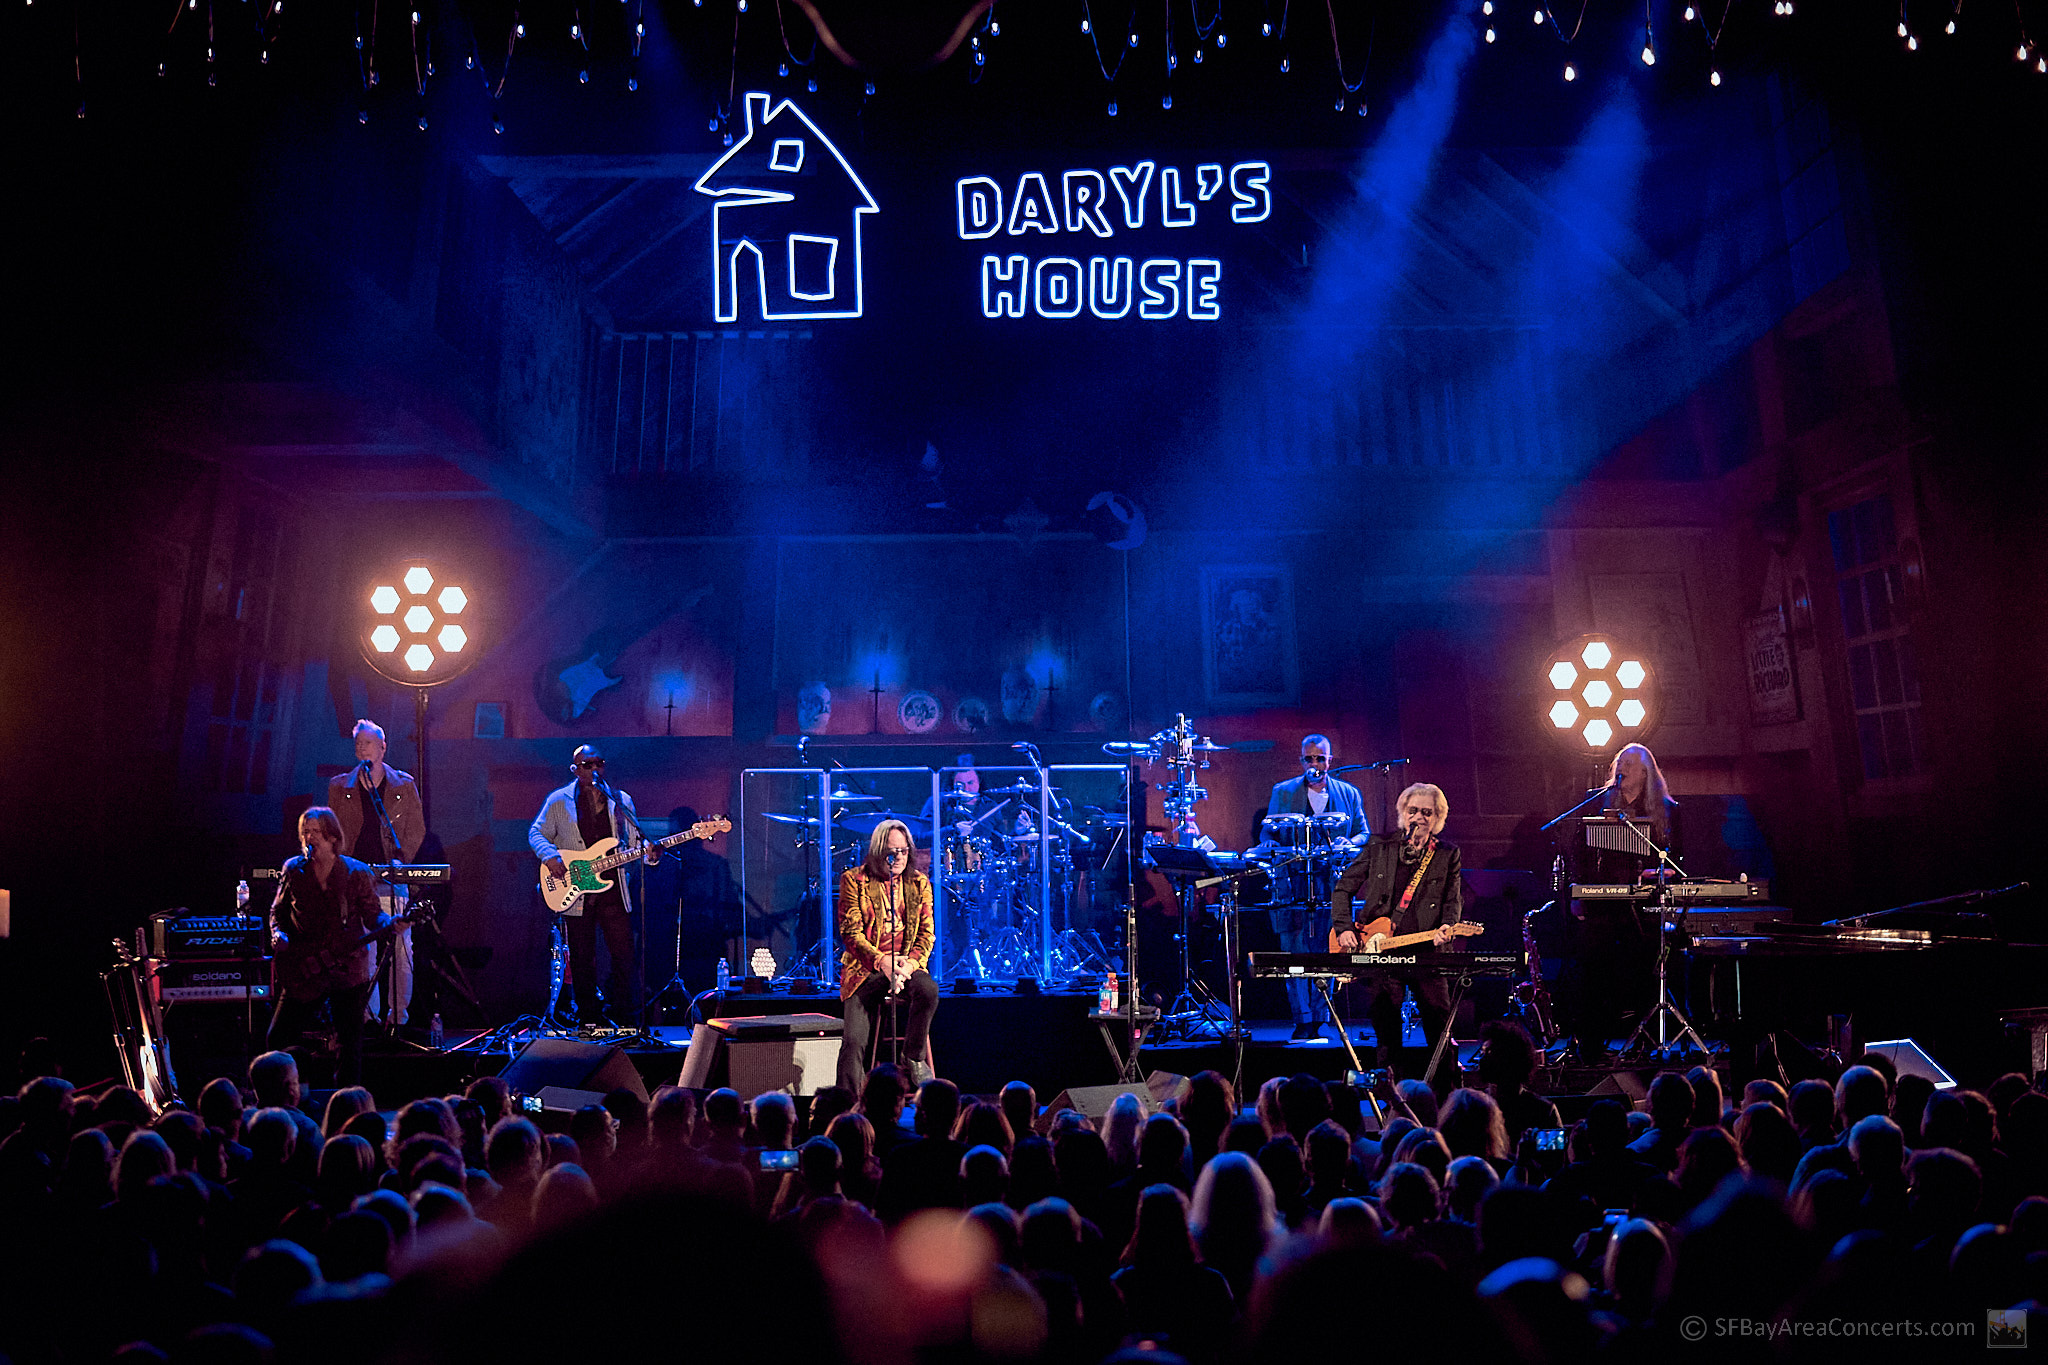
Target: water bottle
[(434, 1033), (242, 896), (724, 976)]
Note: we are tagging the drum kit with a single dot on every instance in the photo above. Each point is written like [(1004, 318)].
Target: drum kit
[(992, 860), (1004, 873)]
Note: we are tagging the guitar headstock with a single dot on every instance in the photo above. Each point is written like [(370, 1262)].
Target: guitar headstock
[(1466, 929), (704, 829)]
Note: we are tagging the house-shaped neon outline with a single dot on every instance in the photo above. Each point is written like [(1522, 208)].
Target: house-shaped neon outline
[(725, 266)]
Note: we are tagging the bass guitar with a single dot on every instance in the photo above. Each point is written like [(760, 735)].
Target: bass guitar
[(1378, 936), (585, 868), (298, 971)]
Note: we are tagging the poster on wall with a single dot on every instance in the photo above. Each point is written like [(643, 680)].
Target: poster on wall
[(1773, 698), (1650, 612), (951, 638), (1248, 639)]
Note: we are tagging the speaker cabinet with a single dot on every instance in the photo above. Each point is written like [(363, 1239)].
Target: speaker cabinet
[(566, 1064)]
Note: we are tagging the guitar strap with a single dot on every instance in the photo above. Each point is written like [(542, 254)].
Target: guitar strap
[(1414, 885)]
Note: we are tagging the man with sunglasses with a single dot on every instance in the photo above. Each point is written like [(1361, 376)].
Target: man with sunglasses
[(571, 819), (1301, 902)]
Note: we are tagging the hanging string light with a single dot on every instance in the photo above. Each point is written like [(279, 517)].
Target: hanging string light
[(1348, 88)]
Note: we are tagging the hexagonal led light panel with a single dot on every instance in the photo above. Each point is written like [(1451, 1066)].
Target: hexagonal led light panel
[(418, 599), (1609, 695)]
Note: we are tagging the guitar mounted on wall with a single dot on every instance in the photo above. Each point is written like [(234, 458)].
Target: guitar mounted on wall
[(586, 867), (1378, 936)]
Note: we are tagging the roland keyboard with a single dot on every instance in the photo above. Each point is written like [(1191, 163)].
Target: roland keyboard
[(1348, 965), (1676, 893)]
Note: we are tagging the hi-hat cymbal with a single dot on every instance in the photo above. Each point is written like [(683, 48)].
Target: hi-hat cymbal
[(1208, 746)]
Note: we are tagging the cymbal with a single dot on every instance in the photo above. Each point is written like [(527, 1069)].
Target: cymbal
[(1020, 789), (1209, 747), (846, 798), (804, 821)]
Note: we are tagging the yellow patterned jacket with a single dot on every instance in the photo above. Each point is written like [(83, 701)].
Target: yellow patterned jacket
[(868, 929)]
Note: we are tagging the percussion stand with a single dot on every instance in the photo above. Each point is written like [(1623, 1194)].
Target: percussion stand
[(1195, 997)]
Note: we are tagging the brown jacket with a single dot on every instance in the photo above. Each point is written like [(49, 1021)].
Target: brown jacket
[(864, 925), (353, 805)]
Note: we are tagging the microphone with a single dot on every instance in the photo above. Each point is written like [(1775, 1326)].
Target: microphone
[(306, 851)]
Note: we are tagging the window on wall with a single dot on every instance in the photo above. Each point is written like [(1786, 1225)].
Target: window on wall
[(1884, 675), (248, 696)]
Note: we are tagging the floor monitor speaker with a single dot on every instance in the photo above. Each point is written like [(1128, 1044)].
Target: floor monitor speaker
[(568, 1064)]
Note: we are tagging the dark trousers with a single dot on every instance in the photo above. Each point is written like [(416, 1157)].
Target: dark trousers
[(609, 914), (1303, 929), (350, 1006), (869, 1004), (1384, 992)]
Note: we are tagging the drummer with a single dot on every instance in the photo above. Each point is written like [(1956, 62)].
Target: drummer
[(962, 803), (1331, 817)]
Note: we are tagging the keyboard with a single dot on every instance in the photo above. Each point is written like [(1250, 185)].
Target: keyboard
[(1347, 965), (1676, 893)]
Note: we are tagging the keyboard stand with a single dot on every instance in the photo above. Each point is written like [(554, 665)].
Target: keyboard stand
[(1443, 1039)]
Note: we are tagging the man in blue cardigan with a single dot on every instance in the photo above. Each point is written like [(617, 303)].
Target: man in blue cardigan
[(1301, 903)]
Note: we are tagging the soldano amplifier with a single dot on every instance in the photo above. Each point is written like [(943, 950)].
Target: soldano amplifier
[(230, 978)]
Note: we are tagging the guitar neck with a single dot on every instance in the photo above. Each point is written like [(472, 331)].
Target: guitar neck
[(626, 855), (1459, 930)]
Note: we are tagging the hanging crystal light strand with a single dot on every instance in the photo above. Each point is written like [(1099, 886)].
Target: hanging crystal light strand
[(422, 64), (513, 34), (268, 23), (1348, 88)]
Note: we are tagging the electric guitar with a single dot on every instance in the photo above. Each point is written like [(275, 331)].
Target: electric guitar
[(586, 867), (1378, 936), (297, 971)]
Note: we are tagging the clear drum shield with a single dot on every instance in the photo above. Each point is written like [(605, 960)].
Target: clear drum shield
[(1024, 858), (800, 830)]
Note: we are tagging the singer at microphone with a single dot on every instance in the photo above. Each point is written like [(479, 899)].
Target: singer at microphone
[(382, 822), (325, 908)]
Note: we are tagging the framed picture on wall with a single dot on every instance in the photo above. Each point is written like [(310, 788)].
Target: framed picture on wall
[(1248, 639)]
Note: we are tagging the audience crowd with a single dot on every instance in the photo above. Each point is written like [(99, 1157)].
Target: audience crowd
[(889, 1227)]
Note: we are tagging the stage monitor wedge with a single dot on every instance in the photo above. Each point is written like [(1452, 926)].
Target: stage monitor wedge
[(568, 1064)]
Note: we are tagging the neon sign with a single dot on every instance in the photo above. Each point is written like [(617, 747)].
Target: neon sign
[(1100, 204), (794, 237)]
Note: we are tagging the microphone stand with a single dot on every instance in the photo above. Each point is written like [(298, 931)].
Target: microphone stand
[(626, 896), (393, 853)]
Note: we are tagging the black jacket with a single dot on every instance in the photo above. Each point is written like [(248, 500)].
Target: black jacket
[(1371, 887)]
